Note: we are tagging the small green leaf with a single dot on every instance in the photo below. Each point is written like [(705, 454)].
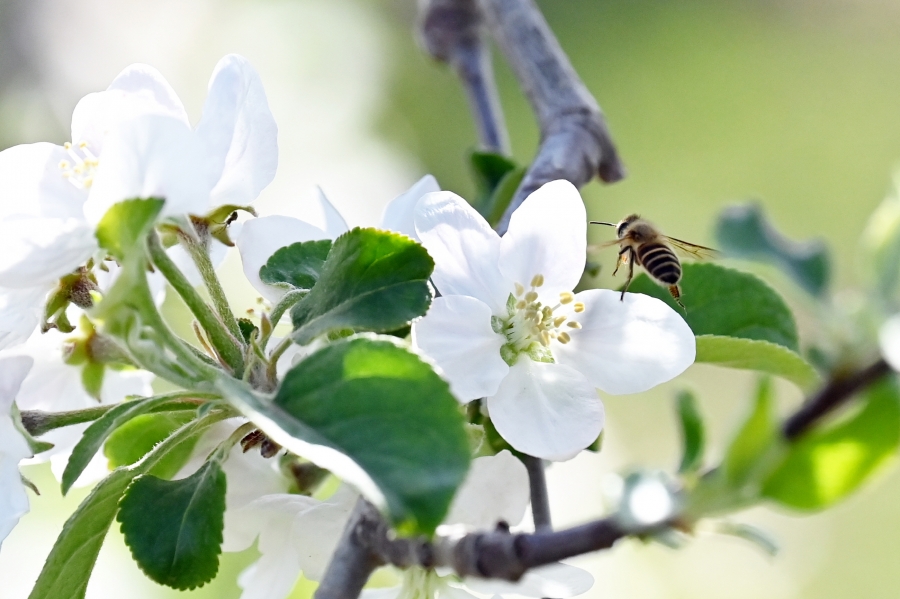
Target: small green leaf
[(825, 466), (133, 439), (125, 224), (496, 180), (372, 281), (758, 433), (92, 378), (68, 567), (298, 265), (94, 436), (247, 328), (370, 399), (728, 302), (744, 232), (174, 528), (762, 356), (692, 433)]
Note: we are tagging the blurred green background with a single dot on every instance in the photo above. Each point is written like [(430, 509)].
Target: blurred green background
[(795, 103)]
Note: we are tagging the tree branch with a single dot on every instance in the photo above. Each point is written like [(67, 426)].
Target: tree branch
[(575, 141), (452, 31), (353, 560), (834, 394), (540, 499)]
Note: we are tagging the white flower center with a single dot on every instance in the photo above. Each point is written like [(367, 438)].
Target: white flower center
[(80, 170), (530, 326)]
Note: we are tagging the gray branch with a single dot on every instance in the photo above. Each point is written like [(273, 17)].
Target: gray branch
[(452, 31), (540, 499), (575, 141), (353, 560)]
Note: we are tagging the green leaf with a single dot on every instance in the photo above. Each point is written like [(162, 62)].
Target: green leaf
[(133, 439), (753, 440), (94, 436), (298, 265), (125, 224), (761, 356), (488, 169), (372, 281), (743, 232), (174, 528), (825, 466), (727, 302), (68, 567), (370, 399), (693, 435)]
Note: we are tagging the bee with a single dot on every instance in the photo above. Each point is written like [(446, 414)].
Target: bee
[(641, 242)]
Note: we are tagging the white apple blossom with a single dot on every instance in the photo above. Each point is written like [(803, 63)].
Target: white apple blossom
[(508, 328), (259, 238), (132, 140), (13, 446), (495, 489), (889, 339)]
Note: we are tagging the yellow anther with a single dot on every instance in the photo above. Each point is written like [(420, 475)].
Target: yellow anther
[(566, 297), (578, 307), (559, 320), (537, 280), (545, 338), (82, 144), (531, 296), (564, 338), (520, 289), (572, 324), (64, 164), (88, 181), (520, 304), (67, 146)]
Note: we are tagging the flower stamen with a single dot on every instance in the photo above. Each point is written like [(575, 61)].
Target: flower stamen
[(80, 172)]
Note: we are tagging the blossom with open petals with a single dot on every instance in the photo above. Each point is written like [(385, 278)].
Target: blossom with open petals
[(132, 140), (508, 328), (259, 238), (13, 446)]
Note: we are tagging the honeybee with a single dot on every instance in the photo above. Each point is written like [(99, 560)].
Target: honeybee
[(641, 242)]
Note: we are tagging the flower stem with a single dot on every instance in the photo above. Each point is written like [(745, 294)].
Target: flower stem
[(220, 337), (201, 258), (290, 298), (37, 422)]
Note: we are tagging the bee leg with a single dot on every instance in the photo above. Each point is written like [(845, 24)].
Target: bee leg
[(622, 259), (675, 290), (630, 273)]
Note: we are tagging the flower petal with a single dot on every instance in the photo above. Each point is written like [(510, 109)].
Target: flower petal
[(137, 91), (335, 225), (496, 488), (239, 132), (152, 157), (549, 411), (261, 237), (20, 313), (13, 447), (456, 333), (465, 250), (399, 214), (547, 235), (317, 531), (627, 346), (889, 339), (13, 370), (553, 580), (33, 182), (35, 251)]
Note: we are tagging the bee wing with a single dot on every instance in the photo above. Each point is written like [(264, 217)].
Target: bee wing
[(605, 244), (701, 252)]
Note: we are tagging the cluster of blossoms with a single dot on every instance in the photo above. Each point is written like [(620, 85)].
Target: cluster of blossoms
[(507, 327)]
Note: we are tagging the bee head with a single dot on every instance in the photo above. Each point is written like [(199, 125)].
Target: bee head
[(624, 224)]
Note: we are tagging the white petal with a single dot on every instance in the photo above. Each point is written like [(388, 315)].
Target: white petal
[(20, 313), (137, 91), (13, 370), (184, 262), (399, 214), (547, 235), (456, 333), (550, 411), (13, 447), (627, 346), (33, 182), (385, 593), (889, 338), (335, 225), (239, 132), (552, 580), (259, 238), (496, 488), (35, 251), (316, 532), (465, 249), (152, 157)]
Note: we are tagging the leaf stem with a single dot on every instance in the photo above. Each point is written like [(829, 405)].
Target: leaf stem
[(290, 298), (220, 337)]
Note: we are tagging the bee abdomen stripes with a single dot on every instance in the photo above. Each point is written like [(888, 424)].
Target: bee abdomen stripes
[(660, 262)]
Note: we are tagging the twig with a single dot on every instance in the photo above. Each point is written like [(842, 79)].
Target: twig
[(834, 394), (540, 499), (353, 561), (575, 141), (452, 31)]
